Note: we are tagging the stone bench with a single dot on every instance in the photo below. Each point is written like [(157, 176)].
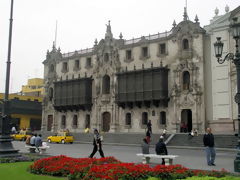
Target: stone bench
[(168, 158), (42, 149)]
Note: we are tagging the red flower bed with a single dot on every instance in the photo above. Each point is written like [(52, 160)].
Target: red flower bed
[(110, 168)]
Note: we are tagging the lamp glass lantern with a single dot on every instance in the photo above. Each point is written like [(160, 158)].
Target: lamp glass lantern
[(235, 26), (218, 47)]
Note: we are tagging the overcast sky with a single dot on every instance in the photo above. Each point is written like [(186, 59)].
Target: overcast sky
[(80, 22)]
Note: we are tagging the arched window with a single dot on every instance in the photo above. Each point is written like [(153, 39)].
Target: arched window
[(106, 84), (144, 118), (185, 44), (162, 118), (63, 122), (75, 121), (186, 80), (87, 121), (50, 94), (106, 57), (128, 119), (51, 68)]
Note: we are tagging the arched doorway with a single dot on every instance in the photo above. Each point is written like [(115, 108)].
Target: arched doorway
[(106, 119), (186, 120)]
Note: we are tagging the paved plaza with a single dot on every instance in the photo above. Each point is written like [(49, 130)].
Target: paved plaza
[(191, 158)]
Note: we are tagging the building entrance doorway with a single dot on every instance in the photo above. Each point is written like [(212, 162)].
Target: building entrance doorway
[(49, 122), (106, 119), (186, 120)]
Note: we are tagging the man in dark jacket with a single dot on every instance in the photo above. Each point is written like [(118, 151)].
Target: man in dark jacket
[(97, 144), (161, 148), (149, 126), (208, 141)]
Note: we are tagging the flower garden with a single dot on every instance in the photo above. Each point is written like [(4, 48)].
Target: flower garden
[(110, 168)]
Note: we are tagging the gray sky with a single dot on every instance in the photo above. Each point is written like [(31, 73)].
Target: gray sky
[(80, 22)]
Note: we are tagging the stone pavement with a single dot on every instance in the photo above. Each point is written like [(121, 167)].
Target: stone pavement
[(190, 158)]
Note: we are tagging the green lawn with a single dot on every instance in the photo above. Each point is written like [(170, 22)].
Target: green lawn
[(18, 171)]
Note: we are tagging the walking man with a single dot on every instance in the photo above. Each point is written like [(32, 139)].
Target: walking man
[(149, 126), (208, 141), (97, 144)]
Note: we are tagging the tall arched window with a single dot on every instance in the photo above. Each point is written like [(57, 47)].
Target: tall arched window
[(185, 44), (50, 94), (162, 118), (63, 122), (51, 68), (75, 121), (144, 118), (128, 119), (186, 80), (106, 84), (87, 121)]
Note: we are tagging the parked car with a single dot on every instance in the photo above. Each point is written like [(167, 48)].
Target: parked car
[(61, 137), (22, 135)]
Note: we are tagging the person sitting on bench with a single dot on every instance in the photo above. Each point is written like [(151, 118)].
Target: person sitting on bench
[(161, 149), (145, 149), (38, 141)]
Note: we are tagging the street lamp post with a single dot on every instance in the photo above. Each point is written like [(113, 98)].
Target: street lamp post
[(6, 148), (235, 58)]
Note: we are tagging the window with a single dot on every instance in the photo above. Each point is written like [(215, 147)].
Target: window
[(87, 121), (51, 68), (186, 80), (145, 52), (185, 44), (106, 84), (65, 67), (129, 54), (153, 113), (75, 121), (76, 64), (144, 118), (128, 119), (162, 118), (50, 95), (106, 57), (162, 48), (89, 62), (63, 122)]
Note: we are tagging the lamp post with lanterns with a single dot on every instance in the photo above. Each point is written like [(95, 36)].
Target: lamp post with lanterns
[(6, 147), (235, 58)]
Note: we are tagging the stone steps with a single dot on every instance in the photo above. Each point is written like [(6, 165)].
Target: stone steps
[(221, 141)]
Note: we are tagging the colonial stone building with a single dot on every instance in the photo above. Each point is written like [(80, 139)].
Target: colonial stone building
[(118, 85)]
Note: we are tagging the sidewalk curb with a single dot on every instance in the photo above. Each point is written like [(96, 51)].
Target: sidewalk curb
[(152, 145)]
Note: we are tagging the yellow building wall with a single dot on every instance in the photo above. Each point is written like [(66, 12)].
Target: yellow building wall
[(37, 82), (25, 119), (21, 97)]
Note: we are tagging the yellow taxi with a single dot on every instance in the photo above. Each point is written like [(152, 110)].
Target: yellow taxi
[(22, 136), (61, 137)]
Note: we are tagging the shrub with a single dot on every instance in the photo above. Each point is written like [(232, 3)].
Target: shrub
[(112, 169)]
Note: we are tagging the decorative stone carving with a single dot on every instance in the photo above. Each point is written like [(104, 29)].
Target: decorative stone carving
[(187, 100)]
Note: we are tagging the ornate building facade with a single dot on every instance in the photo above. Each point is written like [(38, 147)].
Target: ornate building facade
[(118, 85)]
